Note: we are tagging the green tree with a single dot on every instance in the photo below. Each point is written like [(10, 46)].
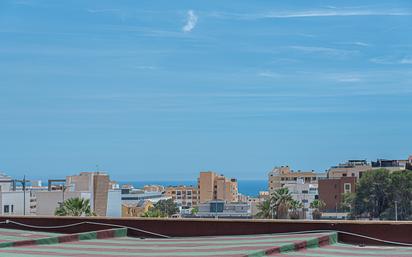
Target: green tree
[(74, 207), (265, 210), (163, 208), (153, 213), (348, 200), (167, 207), (317, 206), (194, 210), (400, 192), (294, 209), (372, 196), (281, 200)]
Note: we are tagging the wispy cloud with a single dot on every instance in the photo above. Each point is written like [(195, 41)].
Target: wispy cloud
[(329, 12), (145, 67), (346, 78), (103, 10), (191, 21), (406, 60), (361, 44), (391, 60), (268, 74), (323, 50)]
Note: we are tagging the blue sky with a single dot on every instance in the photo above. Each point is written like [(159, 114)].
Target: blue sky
[(159, 90)]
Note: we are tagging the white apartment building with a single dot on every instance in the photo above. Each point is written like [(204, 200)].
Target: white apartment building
[(223, 209), (305, 193), (16, 203)]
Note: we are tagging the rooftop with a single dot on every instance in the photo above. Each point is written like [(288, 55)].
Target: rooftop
[(119, 241)]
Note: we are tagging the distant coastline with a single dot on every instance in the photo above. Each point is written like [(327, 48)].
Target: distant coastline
[(246, 187)]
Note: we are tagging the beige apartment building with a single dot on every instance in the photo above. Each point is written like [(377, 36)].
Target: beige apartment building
[(185, 196), (136, 210), (283, 175), (356, 168), (212, 186), (98, 183), (351, 168)]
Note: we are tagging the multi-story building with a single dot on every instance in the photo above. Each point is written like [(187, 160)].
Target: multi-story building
[(391, 165), (280, 176), (305, 193), (132, 196), (105, 199), (15, 202), (264, 195), (154, 188), (212, 186), (356, 168), (352, 168), (49, 201), (95, 182), (184, 196), (331, 191), (137, 209), (223, 209), (408, 165)]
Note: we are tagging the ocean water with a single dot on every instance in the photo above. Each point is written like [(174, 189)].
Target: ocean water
[(246, 187)]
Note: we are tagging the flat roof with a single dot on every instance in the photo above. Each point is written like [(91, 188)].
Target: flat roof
[(115, 243)]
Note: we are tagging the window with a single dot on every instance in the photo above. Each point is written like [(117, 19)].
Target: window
[(12, 208), (344, 175), (305, 191), (347, 188), (216, 207), (6, 209)]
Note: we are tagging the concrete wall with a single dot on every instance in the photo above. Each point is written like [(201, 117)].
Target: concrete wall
[(16, 199), (48, 201), (114, 203), (393, 231)]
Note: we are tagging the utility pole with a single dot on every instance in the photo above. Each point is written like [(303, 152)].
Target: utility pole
[(63, 189), (336, 210), (24, 195), (216, 209), (396, 210), (23, 183)]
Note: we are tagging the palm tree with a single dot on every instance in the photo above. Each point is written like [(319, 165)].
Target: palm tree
[(281, 200), (265, 210), (318, 206), (74, 207), (294, 212)]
